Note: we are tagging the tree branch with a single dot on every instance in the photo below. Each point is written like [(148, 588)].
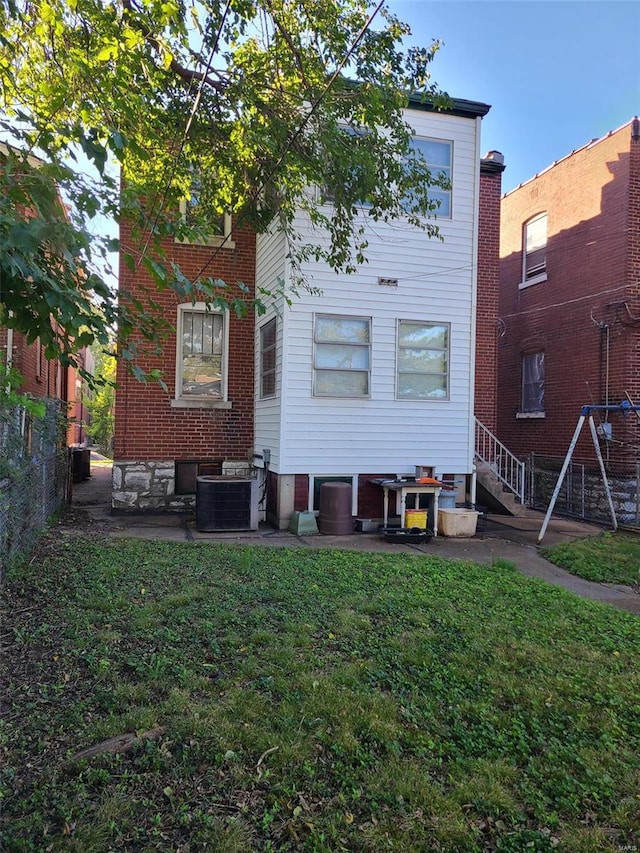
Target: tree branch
[(186, 74)]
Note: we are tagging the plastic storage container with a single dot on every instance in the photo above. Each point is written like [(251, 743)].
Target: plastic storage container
[(415, 518), (457, 522), (447, 500)]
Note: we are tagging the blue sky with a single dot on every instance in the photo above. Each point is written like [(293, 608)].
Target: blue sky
[(556, 74)]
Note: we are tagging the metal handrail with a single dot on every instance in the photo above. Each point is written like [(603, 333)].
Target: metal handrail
[(507, 467)]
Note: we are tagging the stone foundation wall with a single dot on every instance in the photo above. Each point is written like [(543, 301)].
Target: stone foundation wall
[(147, 485), (582, 493), (150, 485)]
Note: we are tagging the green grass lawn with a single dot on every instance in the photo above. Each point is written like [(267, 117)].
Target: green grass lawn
[(608, 558), (311, 700)]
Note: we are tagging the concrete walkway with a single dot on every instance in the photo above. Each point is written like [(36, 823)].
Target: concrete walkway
[(506, 538)]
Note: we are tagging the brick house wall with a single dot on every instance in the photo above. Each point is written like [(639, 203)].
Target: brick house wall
[(151, 434), (41, 378), (581, 315), (44, 377), (486, 392), (633, 263)]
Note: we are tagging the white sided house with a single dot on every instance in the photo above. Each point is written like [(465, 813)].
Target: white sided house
[(375, 375)]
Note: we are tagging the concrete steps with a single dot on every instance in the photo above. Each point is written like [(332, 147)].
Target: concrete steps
[(494, 493)]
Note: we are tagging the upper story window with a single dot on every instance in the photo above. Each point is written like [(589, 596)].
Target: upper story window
[(423, 361), (438, 155), (342, 356), (534, 260), (533, 377), (201, 368), (352, 178), (217, 226), (268, 359)]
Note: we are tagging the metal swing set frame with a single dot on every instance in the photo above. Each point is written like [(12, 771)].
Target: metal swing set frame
[(625, 407)]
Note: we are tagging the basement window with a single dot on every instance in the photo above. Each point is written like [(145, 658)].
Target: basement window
[(315, 487), (187, 470)]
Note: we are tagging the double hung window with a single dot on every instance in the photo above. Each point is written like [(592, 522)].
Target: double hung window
[(268, 359), (423, 361), (195, 211), (438, 155), (342, 356), (201, 357), (533, 370), (534, 261)]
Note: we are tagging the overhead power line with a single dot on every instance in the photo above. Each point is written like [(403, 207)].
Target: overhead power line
[(255, 194)]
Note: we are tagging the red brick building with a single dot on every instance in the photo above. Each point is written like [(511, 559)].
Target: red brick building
[(44, 377), (570, 300), (163, 439)]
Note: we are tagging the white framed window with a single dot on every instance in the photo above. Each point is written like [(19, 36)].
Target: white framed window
[(202, 354), (217, 226), (422, 360), (342, 356), (268, 359), (533, 379), (352, 179), (534, 255), (438, 155), (316, 481)]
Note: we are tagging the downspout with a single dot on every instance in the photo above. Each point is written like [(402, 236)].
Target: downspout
[(474, 307), (606, 380)]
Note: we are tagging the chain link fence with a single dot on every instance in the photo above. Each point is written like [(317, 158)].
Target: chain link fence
[(582, 494), (34, 475)]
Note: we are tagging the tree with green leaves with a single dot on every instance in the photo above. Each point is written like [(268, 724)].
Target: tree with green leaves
[(262, 100), (102, 401)]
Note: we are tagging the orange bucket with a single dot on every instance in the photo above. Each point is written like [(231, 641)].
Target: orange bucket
[(415, 518)]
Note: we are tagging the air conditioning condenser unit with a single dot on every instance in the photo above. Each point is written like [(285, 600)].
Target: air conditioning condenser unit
[(226, 503)]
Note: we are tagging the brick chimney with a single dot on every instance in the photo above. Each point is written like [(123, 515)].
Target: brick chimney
[(486, 380)]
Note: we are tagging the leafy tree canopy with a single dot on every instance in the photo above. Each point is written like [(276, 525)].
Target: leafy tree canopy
[(255, 97)]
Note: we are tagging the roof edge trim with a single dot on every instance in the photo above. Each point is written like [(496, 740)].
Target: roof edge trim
[(458, 106)]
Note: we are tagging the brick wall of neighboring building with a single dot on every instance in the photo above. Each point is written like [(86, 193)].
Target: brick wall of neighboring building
[(633, 260), (147, 426), (580, 316), (42, 377), (39, 376), (485, 404)]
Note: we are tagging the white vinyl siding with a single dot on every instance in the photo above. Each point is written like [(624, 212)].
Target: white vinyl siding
[(436, 285), (271, 271)]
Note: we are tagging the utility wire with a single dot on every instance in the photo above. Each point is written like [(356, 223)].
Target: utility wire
[(254, 195), (566, 302)]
